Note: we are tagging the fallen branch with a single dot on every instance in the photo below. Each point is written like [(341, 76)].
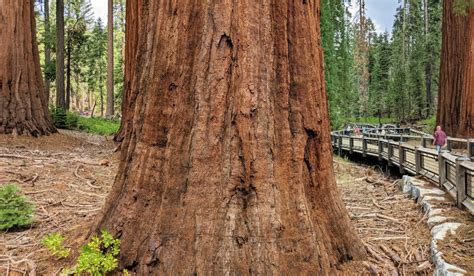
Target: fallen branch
[(394, 256)]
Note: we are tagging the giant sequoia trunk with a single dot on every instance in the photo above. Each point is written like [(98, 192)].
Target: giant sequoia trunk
[(23, 102), (134, 16), (110, 60), (226, 166), (456, 95)]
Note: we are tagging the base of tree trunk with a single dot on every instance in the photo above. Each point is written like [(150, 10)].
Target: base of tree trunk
[(226, 162), (23, 100)]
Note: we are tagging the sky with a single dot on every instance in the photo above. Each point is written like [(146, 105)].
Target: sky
[(380, 11), (100, 9)]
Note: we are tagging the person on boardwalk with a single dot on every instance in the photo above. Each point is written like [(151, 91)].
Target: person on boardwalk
[(440, 138)]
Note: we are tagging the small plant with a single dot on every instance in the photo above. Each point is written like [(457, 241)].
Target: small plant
[(54, 243), (15, 210), (59, 116), (99, 256)]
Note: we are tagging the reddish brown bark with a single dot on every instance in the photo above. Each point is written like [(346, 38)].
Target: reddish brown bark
[(456, 95), (226, 166), (60, 92), (110, 60), (134, 16), (23, 102)]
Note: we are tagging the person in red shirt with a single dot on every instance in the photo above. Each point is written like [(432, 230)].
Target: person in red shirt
[(440, 138)]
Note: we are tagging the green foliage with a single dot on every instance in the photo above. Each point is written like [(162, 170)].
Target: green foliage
[(69, 120), (59, 116), (15, 210), (99, 256), (462, 6), (428, 124), (98, 125), (64, 119), (369, 120), (403, 69), (72, 120), (54, 243), (338, 60)]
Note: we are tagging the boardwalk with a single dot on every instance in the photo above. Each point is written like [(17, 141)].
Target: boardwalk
[(409, 150)]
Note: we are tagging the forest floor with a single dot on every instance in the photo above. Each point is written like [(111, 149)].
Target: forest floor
[(391, 225), (68, 176)]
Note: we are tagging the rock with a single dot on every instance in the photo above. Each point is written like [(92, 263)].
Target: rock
[(439, 232), (435, 220)]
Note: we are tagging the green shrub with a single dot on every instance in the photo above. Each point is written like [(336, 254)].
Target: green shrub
[(59, 116), (72, 120), (99, 256), (15, 210)]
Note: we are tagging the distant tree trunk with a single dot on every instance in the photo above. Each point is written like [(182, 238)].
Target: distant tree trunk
[(456, 95), (227, 163), (68, 73), (110, 60), (23, 102), (77, 94), (60, 93), (47, 48), (133, 17), (101, 93)]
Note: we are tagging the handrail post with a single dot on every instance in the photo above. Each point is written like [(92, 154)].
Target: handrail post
[(441, 169), (460, 180), (351, 144), (380, 144), (449, 145), (417, 161), (401, 157), (389, 153), (364, 146), (424, 139), (340, 145), (470, 148)]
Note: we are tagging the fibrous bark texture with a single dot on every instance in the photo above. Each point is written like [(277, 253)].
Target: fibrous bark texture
[(110, 60), (134, 16), (226, 167), (60, 92), (23, 102), (456, 95)]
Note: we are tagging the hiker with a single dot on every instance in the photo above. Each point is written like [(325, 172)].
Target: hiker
[(357, 131), (440, 138), (348, 130)]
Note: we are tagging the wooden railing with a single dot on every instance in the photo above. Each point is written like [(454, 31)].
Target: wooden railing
[(410, 150)]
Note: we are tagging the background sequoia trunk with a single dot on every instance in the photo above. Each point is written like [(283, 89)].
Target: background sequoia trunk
[(23, 102), (226, 167), (134, 16), (456, 95)]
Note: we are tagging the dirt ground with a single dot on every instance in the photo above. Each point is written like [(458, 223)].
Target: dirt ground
[(68, 175)]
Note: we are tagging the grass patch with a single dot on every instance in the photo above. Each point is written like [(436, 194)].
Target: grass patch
[(98, 125)]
